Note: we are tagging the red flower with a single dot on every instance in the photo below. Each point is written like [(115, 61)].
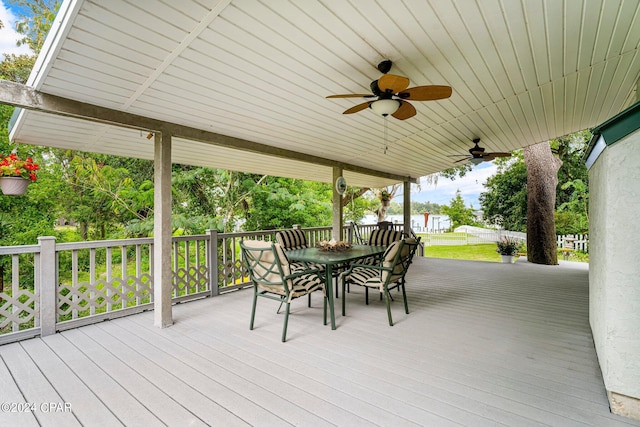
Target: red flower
[(12, 165)]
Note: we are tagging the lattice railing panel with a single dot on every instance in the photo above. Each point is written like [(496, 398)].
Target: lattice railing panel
[(93, 279), (231, 272), (190, 280), (18, 309), (118, 293)]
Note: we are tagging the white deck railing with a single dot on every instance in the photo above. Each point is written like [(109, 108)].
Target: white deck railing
[(52, 286), (57, 286), (468, 235)]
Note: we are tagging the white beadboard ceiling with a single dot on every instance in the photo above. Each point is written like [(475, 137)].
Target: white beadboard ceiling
[(522, 72)]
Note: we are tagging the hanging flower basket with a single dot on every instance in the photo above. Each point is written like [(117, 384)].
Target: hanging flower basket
[(384, 197), (16, 174), (13, 185)]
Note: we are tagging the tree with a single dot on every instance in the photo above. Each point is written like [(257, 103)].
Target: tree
[(458, 212), (505, 202), (572, 197), (36, 20), (453, 173), (23, 218), (385, 195), (282, 202), (355, 206), (208, 198), (422, 207), (542, 180), (572, 216), (16, 67)]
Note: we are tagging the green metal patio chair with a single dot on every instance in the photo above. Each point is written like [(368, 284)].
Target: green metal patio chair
[(384, 237), (388, 274), (272, 278), (292, 239), (295, 239), (381, 237)]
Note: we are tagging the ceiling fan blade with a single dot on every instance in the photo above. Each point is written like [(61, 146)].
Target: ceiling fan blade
[(426, 93), (353, 95), (462, 160), (357, 108), (491, 156), (393, 83), (405, 111)]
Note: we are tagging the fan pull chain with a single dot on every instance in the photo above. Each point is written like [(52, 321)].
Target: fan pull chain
[(385, 136)]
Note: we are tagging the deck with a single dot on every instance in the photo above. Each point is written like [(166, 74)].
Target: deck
[(485, 344)]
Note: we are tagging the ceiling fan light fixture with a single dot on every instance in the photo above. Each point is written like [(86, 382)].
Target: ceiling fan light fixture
[(384, 107), (476, 160)]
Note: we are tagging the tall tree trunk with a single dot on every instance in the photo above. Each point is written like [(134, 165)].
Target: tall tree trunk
[(542, 180), (382, 211)]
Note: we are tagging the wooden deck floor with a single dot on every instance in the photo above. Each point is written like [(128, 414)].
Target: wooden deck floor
[(485, 344)]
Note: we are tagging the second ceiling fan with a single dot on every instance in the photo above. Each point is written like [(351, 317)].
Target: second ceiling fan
[(478, 155), (393, 92)]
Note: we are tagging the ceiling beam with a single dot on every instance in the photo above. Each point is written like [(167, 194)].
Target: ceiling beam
[(26, 97)]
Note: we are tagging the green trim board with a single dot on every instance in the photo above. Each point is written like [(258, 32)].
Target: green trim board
[(612, 131)]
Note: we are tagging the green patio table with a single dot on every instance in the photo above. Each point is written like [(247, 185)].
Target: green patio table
[(330, 259)]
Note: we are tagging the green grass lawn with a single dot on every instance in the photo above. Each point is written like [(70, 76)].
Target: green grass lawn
[(483, 252)]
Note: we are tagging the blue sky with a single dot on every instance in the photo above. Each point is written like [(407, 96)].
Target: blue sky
[(8, 36), (470, 186)]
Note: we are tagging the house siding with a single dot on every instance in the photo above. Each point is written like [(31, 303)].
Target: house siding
[(614, 271)]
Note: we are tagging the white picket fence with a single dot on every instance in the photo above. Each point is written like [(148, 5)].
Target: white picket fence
[(578, 242), (468, 235)]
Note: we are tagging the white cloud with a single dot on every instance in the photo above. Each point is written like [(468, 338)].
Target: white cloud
[(8, 36)]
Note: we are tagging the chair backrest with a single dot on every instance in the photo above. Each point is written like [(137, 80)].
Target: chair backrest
[(266, 262), (385, 225), (291, 239), (384, 237), (357, 236), (399, 256)]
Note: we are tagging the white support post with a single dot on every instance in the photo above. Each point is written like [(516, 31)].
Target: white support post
[(407, 207), (48, 279), (336, 230), (162, 274)]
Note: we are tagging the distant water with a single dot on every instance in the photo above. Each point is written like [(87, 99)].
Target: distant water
[(436, 222)]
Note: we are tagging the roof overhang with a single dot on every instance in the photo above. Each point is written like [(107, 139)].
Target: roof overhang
[(258, 72)]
